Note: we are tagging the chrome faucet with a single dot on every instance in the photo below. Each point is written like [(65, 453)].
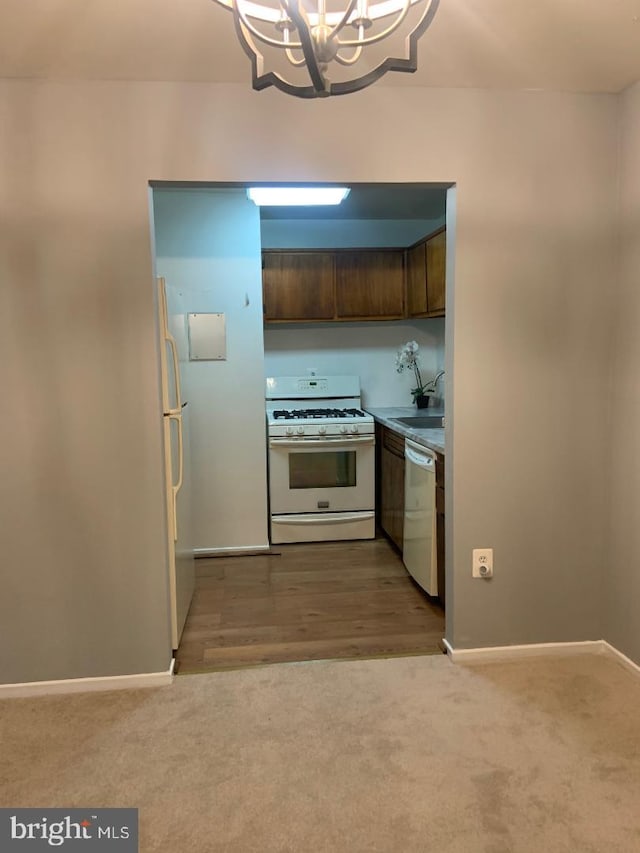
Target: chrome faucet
[(435, 379)]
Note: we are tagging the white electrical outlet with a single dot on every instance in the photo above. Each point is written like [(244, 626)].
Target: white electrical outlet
[(482, 563)]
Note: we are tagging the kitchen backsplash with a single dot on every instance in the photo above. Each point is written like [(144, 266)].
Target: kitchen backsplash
[(367, 350)]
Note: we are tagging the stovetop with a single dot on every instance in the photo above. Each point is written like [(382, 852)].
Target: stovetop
[(310, 423), (316, 414)]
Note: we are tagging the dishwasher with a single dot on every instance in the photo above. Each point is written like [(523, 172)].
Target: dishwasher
[(419, 548)]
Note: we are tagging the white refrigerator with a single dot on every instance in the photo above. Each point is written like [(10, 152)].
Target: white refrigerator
[(177, 462)]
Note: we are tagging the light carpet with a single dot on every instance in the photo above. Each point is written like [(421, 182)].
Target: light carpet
[(408, 754)]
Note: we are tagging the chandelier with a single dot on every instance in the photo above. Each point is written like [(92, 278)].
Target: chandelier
[(314, 48)]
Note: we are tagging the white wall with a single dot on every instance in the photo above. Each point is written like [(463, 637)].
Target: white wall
[(81, 509), (208, 245), (367, 350), (621, 397), (344, 233)]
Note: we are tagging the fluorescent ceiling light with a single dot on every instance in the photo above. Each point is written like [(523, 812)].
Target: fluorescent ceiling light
[(272, 196)]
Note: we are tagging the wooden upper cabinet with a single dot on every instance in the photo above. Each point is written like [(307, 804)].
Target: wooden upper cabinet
[(417, 280), (355, 284), (426, 288), (436, 272), (370, 284), (298, 286)]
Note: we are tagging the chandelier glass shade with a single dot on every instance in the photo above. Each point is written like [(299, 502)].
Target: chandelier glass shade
[(318, 48)]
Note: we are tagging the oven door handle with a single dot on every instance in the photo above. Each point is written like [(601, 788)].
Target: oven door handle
[(329, 518), (321, 442)]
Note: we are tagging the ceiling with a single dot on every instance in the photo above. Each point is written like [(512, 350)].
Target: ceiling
[(567, 45)]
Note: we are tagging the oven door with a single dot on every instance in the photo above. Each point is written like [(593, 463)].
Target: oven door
[(321, 474)]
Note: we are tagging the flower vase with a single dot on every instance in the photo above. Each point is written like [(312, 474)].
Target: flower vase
[(422, 401)]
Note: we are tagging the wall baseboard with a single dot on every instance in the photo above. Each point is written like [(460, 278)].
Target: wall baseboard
[(496, 654), (499, 653), (249, 551), (486, 654), (87, 685), (621, 658)]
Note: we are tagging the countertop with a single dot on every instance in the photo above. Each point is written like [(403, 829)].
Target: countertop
[(431, 438)]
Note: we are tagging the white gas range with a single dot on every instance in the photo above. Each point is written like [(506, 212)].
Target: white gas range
[(321, 459)]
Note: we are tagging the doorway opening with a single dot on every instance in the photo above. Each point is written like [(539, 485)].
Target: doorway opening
[(260, 599)]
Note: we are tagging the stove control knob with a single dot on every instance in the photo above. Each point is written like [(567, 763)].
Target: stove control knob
[(289, 430), (322, 430), (354, 428), (300, 430), (343, 428)]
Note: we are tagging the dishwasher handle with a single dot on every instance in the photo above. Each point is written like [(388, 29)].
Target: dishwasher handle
[(423, 458)]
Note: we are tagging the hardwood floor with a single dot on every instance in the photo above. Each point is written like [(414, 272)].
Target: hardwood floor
[(307, 602)]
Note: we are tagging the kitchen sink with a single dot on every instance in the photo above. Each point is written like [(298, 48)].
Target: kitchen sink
[(421, 421)]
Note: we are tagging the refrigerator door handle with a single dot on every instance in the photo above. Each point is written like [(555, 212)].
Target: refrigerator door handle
[(176, 370), (170, 340), (175, 487)]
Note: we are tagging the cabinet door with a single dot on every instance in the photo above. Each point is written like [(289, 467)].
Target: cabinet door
[(298, 286), (370, 284), (417, 281), (392, 486), (436, 266)]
